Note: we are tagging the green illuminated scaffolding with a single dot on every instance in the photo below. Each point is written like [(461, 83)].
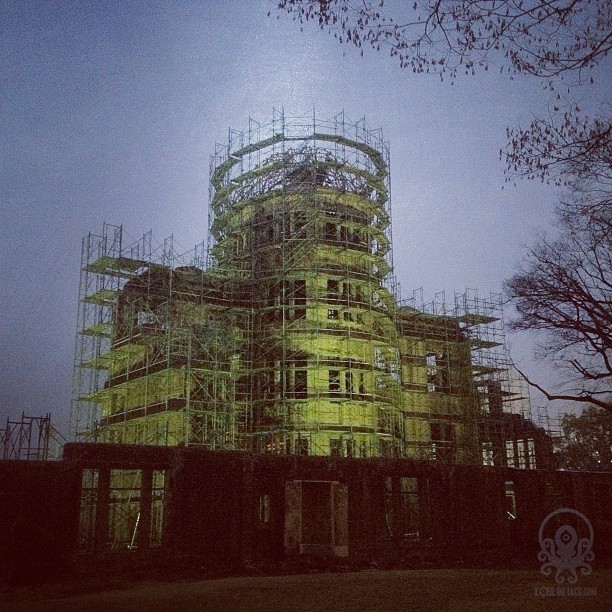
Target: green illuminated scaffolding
[(288, 335)]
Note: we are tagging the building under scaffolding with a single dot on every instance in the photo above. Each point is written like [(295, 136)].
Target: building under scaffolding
[(288, 335)]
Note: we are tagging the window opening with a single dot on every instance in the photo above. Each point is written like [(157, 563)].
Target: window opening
[(510, 459), (531, 453), (350, 448), (409, 498), (124, 508), (264, 509), (510, 500), (334, 381), (389, 504), (521, 453), (348, 383), (89, 506), (158, 495), (487, 453), (331, 231), (362, 387), (301, 383), (335, 447)]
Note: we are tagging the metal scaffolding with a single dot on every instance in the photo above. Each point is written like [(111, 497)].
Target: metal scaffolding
[(154, 356), (300, 210), (288, 335), (30, 438)]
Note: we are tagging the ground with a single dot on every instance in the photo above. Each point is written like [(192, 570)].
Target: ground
[(422, 590)]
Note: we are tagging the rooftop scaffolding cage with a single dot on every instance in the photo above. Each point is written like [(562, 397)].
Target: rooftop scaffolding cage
[(30, 438)]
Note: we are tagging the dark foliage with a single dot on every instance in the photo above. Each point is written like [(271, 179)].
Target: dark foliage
[(587, 440)]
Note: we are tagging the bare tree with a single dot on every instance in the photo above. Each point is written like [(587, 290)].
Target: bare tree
[(545, 38), (564, 289)]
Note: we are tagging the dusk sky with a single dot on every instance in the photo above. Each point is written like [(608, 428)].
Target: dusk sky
[(110, 111)]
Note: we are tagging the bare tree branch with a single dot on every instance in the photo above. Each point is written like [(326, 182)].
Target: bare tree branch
[(563, 290), (544, 38), (574, 398), (568, 148)]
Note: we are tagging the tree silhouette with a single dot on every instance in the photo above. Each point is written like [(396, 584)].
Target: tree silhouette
[(564, 289), (587, 440)]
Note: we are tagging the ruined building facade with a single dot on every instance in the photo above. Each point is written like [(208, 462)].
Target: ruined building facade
[(287, 334)]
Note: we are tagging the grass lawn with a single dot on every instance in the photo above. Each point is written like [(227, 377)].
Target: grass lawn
[(418, 590)]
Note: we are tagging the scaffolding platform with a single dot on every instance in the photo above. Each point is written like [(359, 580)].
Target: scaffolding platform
[(122, 267)]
